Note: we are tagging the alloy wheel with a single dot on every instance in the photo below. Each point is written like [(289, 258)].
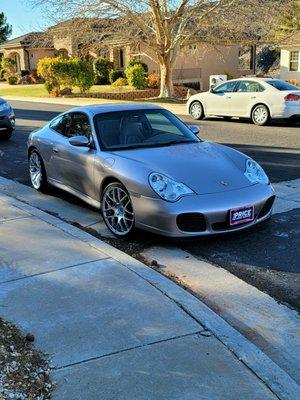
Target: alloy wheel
[(117, 210), (196, 110), (260, 115), (35, 170)]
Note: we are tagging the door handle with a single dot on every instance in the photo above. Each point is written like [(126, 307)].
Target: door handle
[(55, 150), (253, 97), (228, 97)]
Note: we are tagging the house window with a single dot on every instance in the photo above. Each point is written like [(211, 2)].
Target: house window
[(294, 60), (246, 57)]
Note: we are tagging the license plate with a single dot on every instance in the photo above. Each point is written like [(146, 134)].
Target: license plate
[(241, 215)]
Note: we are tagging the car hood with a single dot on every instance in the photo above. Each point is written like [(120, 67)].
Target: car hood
[(203, 166)]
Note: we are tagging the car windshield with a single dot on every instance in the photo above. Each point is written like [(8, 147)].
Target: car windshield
[(120, 130), (281, 85)]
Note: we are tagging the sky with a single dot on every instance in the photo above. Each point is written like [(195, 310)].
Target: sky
[(22, 16)]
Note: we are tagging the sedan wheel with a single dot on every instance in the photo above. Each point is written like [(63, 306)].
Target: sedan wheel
[(117, 210), (196, 110), (260, 115), (37, 171)]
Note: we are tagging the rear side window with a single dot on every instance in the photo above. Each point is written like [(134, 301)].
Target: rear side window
[(61, 124), (281, 85), (249, 87)]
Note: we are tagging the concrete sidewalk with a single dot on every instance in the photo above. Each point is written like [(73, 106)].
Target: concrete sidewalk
[(114, 328)]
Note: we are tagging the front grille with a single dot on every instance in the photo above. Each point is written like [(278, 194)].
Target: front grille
[(266, 207), (191, 222)]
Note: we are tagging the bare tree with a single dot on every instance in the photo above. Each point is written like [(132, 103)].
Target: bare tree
[(161, 28)]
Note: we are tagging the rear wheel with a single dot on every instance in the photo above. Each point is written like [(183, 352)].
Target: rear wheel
[(196, 110), (37, 172), (117, 210), (260, 115)]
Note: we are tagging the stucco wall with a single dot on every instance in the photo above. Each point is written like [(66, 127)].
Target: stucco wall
[(36, 54), (285, 73), (197, 64)]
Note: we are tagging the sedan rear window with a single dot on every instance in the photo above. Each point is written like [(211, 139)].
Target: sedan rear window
[(281, 85), (121, 130)]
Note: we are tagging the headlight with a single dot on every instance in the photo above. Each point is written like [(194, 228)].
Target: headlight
[(4, 106), (167, 188), (255, 174)]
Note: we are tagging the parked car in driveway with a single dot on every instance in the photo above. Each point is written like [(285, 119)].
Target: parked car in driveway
[(260, 99), (7, 119), (144, 168)]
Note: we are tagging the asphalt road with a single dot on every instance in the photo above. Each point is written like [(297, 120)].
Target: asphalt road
[(267, 256)]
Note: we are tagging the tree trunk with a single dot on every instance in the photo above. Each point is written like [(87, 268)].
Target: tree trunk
[(166, 81)]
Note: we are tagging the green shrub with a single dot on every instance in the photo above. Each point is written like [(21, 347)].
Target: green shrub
[(136, 76), (83, 75), (120, 82), (9, 64), (102, 66), (115, 74), (58, 72), (12, 80), (136, 61), (153, 81), (2, 71), (48, 86)]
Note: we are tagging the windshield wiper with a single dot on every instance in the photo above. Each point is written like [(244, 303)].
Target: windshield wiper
[(145, 145)]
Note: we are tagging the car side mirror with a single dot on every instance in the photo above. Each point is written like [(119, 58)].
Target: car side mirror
[(195, 129), (211, 89), (79, 141)]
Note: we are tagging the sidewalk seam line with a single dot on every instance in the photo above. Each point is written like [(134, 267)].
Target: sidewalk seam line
[(54, 270), (125, 350)]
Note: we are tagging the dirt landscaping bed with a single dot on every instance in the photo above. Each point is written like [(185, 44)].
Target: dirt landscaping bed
[(24, 371)]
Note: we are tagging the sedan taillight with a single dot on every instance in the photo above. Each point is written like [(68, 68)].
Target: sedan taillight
[(292, 97)]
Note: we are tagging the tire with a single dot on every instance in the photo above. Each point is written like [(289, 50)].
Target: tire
[(37, 172), (260, 115), (6, 135), (117, 210), (196, 110)]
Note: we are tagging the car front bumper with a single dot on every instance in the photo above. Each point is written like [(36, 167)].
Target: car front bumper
[(7, 120), (161, 217)]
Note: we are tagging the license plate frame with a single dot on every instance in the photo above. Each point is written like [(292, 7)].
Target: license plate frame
[(241, 215)]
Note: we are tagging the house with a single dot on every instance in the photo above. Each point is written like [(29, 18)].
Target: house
[(290, 59), (194, 64), (27, 49)]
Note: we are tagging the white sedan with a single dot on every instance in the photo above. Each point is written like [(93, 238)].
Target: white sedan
[(260, 99)]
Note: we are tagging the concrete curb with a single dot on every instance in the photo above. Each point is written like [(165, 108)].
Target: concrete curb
[(179, 109), (275, 378)]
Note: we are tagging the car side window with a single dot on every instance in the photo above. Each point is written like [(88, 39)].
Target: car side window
[(79, 126), (249, 87), (227, 87), (61, 123)]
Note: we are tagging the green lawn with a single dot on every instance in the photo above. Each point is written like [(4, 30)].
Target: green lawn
[(40, 91)]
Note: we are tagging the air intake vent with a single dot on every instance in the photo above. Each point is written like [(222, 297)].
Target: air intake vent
[(191, 222)]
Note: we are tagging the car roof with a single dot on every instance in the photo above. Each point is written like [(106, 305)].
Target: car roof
[(106, 108), (254, 79)]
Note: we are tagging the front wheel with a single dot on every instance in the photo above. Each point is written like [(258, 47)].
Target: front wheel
[(260, 115), (196, 110), (117, 210), (37, 172)]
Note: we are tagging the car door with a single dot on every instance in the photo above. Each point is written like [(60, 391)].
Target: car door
[(74, 165), (219, 99), (247, 93)]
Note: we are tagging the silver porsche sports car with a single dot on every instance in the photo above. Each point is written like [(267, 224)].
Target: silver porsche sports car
[(144, 168)]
